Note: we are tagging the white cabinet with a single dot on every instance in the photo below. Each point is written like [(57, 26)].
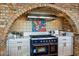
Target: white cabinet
[(18, 47), (65, 46)]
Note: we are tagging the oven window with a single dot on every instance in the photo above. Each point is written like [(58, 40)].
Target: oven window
[(41, 49)]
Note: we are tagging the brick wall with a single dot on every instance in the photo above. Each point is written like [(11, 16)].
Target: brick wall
[(76, 45)]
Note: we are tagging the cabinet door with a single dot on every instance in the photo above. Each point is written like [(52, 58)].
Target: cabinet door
[(68, 49), (12, 50), (23, 47), (23, 51), (65, 49), (60, 49)]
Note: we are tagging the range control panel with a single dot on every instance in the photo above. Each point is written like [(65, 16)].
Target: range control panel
[(44, 41)]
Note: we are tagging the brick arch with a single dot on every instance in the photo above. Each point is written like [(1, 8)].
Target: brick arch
[(33, 6), (27, 8)]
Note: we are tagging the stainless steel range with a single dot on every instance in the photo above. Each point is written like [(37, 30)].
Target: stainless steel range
[(43, 45)]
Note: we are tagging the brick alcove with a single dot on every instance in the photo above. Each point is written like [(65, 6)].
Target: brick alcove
[(29, 8)]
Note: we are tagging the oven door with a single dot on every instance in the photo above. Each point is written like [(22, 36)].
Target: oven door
[(54, 50), (39, 50)]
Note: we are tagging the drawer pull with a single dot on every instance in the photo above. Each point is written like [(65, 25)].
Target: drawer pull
[(64, 39), (19, 42), (19, 47), (64, 44)]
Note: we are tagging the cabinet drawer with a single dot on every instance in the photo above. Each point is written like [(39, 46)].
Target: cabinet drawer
[(65, 40)]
